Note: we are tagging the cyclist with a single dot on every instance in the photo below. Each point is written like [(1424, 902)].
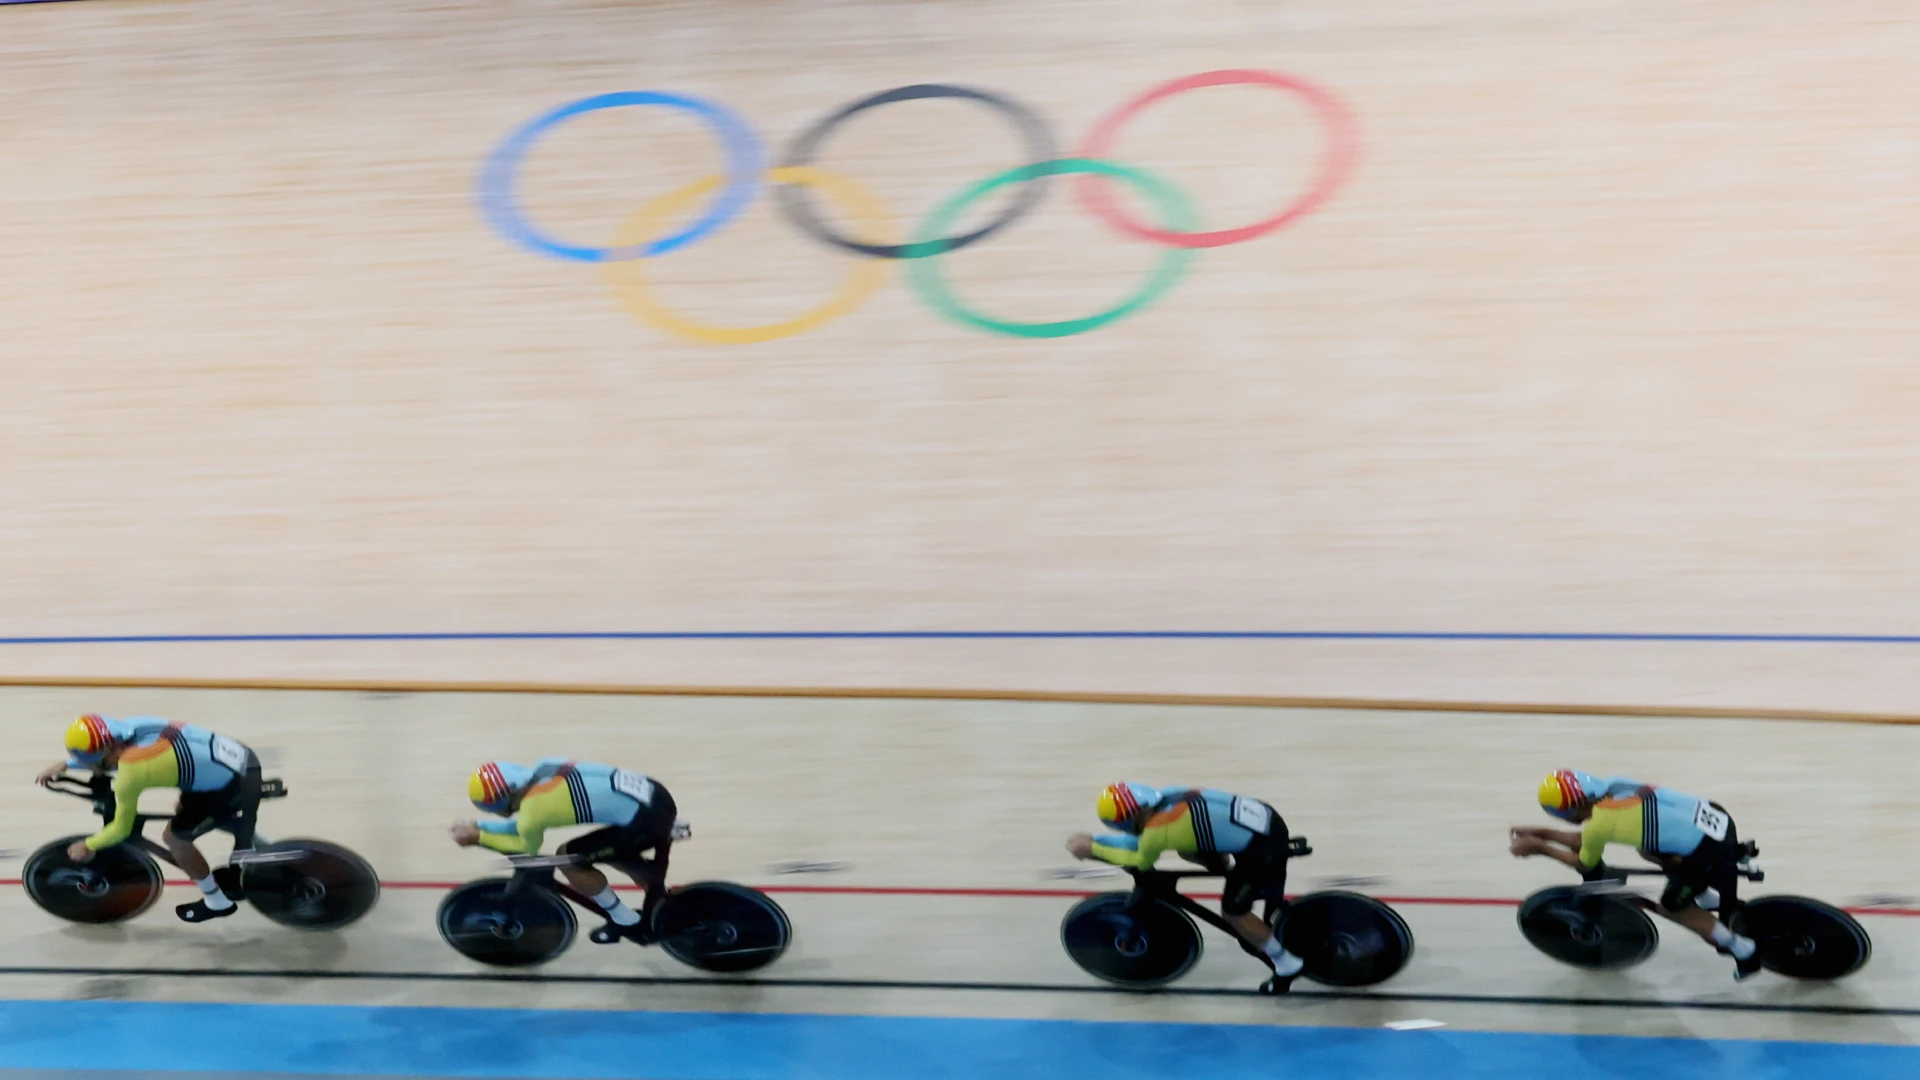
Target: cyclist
[(1244, 838), (218, 778), (636, 814), (1692, 839)]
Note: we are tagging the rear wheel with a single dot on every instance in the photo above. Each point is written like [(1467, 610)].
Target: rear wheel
[(723, 927), (1346, 939), (1803, 938), (310, 884), (117, 883), (484, 922), (1139, 945), (1587, 930)]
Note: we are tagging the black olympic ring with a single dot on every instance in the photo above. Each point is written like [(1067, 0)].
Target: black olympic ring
[(795, 201)]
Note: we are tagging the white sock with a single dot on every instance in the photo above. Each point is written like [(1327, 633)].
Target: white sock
[(1740, 947), (1284, 962), (617, 911), (216, 900), (1709, 899)]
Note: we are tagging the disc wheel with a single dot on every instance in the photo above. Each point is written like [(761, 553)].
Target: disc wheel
[(1587, 930), (319, 886), (116, 884), (1803, 938), (1346, 939), (1138, 945), (484, 922), (722, 927)]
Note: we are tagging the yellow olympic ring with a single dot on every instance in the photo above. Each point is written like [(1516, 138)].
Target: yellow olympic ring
[(630, 287)]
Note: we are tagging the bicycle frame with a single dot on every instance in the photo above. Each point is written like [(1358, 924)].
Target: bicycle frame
[(98, 790), (536, 872), (1164, 885), (1749, 850)]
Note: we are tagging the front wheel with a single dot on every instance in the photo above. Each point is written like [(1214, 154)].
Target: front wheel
[(1803, 938), (117, 883), (309, 884), (1587, 929), (486, 922), (1137, 945), (723, 927), (1346, 939)]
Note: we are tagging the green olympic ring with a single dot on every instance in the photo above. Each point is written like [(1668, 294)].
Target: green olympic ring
[(1176, 213)]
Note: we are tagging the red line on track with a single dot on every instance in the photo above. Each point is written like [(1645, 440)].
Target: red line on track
[(1051, 894)]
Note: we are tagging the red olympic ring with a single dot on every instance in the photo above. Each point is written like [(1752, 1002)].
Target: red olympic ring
[(1336, 164)]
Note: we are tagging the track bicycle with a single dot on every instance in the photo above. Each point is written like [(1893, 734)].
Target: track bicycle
[(308, 884), (528, 919), (1146, 938), (1603, 926)]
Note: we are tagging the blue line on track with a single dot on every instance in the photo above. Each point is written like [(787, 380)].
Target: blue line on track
[(971, 635), (88, 1036)]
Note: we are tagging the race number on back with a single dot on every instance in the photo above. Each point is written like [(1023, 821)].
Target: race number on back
[(1710, 821), (633, 786), (228, 753), (1252, 816)]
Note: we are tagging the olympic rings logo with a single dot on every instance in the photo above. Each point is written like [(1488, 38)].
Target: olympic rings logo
[(800, 183)]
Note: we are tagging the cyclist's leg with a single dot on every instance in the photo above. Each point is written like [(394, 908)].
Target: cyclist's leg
[(233, 808), (191, 819), (1702, 890), (596, 846), (651, 831), (650, 874), (609, 845), (239, 810), (1258, 871)]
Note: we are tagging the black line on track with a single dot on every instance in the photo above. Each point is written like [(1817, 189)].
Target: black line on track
[(1001, 987)]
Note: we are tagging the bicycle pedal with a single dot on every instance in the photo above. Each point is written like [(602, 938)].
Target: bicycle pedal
[(606, 935), (1278, 985)]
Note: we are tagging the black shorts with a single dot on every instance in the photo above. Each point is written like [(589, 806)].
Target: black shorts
[(1714, 864), (650, 830), (233, 808), (1259, 870)]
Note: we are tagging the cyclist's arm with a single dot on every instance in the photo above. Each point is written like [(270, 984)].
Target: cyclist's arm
[(1566, 856), (1139, 852), (1566, 838), (522, 833), (1593, 846), (127, 786), (524, 839)]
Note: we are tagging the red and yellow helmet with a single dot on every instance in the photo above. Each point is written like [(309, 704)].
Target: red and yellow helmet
[(1564, 794), (1117, 805), (493, 787), (89, 739)]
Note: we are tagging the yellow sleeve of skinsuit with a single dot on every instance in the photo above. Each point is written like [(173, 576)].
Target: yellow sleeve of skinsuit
[(547, 806), (1139, 852), (1613, 822), (141, 767), (1169, 830)]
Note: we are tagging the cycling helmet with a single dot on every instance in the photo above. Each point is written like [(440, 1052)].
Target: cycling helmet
[(1120, 802), (1565, 793), (495, 785), (88, 739)]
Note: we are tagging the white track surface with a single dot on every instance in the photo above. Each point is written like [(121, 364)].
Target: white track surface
[(1611, 330)]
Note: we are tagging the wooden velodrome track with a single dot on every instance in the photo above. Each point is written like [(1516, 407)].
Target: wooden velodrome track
[(1593, 321)]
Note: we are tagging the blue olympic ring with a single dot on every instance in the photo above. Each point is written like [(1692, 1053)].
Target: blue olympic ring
[(744, 167)]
